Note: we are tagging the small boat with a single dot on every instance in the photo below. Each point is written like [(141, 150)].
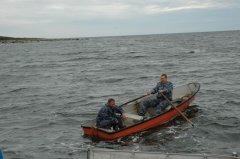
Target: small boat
[(182, 97)]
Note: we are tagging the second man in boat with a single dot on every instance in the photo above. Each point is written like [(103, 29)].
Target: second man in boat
[(164, 87)]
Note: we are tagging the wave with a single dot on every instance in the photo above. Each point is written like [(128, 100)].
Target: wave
[(112, 79), (97, 96), (71, 114), (72, 53), (232, 102), (221, 124), (136, 56), (18, 90), (82, 59)]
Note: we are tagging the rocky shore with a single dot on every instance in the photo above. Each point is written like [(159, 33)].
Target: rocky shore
[(7, 40)]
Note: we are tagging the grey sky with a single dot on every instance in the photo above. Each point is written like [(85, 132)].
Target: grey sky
[(80, 18)]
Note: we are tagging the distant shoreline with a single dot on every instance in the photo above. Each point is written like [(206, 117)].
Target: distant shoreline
[(7, 40)]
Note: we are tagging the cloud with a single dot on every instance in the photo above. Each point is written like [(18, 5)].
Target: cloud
[(104, 9), (82, 14), (184, 5)]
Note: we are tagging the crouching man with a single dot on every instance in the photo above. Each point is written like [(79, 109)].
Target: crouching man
[(110, 116)]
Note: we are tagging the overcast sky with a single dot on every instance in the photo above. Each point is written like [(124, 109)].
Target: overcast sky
[(82, 18)]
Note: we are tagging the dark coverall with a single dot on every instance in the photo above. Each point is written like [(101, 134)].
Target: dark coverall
[(160, 102), (108, 117)]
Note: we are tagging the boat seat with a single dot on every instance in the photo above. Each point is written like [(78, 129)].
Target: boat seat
[(168, 108), (133, 116), (175, 102), (107, 130)]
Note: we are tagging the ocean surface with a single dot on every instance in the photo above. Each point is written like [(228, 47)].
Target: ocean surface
[(49, 88)]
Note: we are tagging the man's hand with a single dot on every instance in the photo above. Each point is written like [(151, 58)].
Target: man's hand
[(161, 91), (115, 121), (124, 116), (149, 93)]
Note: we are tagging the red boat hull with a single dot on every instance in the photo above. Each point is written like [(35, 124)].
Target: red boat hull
[(145, 125)]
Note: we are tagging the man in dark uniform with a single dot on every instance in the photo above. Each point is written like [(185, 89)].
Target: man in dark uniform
[(164, 87), (110, 116)]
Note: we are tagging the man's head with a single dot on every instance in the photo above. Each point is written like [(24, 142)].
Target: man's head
[(163, 78), (111, 102)]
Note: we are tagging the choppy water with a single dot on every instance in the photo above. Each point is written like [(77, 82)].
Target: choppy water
[(48, 89)]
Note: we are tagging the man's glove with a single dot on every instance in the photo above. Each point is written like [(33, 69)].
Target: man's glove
[(114, 121)]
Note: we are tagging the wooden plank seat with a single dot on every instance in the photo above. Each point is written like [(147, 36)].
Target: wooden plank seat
[(133, 116)]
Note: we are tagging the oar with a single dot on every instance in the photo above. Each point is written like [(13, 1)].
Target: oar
[(189, 121), (133, 100)]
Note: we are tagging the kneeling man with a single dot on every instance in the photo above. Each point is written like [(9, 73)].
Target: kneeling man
[(110, 116)]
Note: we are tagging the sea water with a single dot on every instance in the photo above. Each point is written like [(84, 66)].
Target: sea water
[(49, 88)]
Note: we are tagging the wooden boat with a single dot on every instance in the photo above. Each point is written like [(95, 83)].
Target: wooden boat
[(182, 97)]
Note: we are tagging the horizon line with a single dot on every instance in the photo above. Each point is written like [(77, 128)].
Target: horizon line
[(46, 38)]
